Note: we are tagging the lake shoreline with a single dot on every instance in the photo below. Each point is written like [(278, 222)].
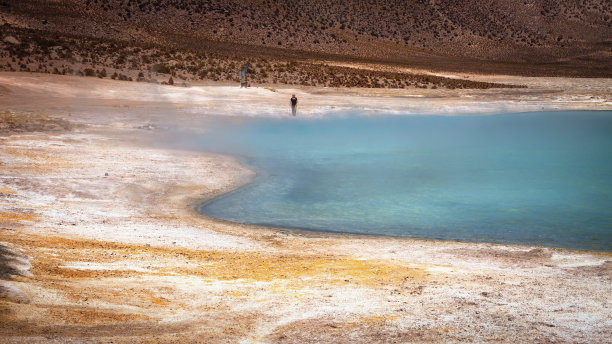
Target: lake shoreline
[(460, 178), (101, 241)]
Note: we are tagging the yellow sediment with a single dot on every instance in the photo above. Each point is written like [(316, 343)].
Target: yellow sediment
[(78, 290), (220, 265), (160, 301), (379, 319), (12, 217), (7, 191), (235, 294), (36, 160), (23, 154)]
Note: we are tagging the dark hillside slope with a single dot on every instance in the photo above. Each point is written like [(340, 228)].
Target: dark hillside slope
[(562, 37)]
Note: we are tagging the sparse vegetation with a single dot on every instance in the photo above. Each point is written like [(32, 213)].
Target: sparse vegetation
[(211, 39), (160, 68), (95, 58), (89, 72)]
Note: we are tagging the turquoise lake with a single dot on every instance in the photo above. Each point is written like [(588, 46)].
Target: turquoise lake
[(540, 178)]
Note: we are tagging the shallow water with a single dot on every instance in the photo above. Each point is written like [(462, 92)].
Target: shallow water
[(535, 178)]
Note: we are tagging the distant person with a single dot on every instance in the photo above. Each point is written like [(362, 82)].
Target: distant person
[(293, 104)]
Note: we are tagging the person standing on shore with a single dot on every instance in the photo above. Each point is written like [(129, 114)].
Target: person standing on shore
[(293, 104)]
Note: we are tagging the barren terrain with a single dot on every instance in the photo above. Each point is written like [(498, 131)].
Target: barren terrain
[(303, 42), (100, 241), (532, 31)]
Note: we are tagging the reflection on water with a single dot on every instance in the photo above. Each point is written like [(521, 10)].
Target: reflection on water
[(538, 178)]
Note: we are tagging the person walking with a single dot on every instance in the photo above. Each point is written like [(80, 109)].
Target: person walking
[(293, 104)]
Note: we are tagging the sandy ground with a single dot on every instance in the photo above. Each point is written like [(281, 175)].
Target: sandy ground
[(100, 241), (72, 95)]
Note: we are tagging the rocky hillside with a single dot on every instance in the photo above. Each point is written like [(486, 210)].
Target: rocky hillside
[(540, 37)]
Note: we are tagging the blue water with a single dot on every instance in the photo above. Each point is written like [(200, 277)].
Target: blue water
[(534, 178)]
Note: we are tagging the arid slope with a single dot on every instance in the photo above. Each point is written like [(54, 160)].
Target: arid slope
[(538, 37)]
